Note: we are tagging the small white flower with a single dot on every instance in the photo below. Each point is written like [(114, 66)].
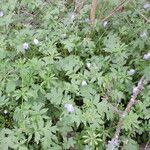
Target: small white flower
[(146, 6), (5, 112), (69, 107), (88, 65), (36, 41), (72, 15), (64, 35), (1, 14), (131, 72), (84, 83), (143, 35), (25, 46), (147, 56), (105, 23)]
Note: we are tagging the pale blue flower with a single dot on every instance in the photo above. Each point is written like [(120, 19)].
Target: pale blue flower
[(131, 72), (25, 46), (147, 56), (146, 5), (1, 14), (143, 34), (69, 107)]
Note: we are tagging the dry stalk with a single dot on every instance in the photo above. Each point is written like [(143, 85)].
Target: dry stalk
[(136, 92), (115, 9), (93, 12)]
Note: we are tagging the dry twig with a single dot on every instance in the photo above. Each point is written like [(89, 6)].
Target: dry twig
[(93, 12), (136, 92), (115, 9)]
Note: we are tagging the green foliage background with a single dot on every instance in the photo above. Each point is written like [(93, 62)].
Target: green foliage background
[(36, 83)]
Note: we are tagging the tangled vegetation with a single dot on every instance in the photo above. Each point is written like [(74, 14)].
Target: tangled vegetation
[(74, 76)]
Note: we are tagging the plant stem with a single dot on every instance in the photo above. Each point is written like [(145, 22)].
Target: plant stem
[(136, 92), (93, 12)]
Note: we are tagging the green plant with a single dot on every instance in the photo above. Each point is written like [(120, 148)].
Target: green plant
[(65, 85)]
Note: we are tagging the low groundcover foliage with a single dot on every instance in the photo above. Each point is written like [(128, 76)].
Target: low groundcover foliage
[(64, 84)]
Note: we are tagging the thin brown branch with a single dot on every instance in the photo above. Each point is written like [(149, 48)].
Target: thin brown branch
[(136, 92), (115, 9), (93, 12), (146, 146), (144, 17)]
